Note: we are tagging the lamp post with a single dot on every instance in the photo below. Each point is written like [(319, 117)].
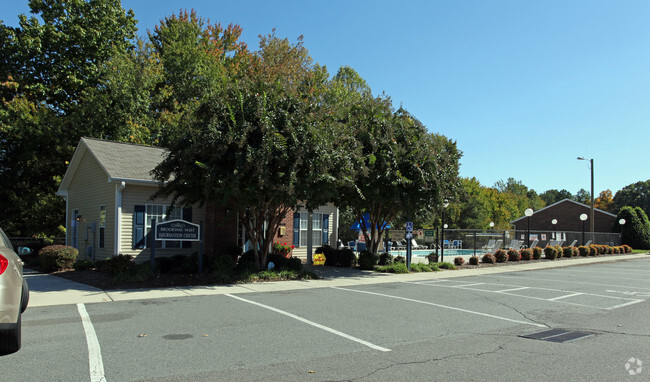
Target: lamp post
[(583, 217), (591, 223), (621, 222), (529, 213), (554, 222), (442, 235)]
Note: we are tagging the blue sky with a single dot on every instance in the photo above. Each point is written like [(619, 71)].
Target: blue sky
[(523, 87)]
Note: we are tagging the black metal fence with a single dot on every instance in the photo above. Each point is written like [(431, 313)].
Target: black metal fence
[(479, 239)]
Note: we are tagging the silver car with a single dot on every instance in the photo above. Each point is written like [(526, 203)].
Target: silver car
[(14, 296)]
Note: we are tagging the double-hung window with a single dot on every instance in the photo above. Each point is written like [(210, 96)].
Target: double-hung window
[(317, 229), (102, 226), (142, 221)]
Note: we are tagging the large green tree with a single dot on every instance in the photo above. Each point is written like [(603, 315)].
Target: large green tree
[(45, 69), (634, 195), (259, 146)]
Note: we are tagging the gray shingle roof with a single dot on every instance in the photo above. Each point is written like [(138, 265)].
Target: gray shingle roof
[(125, 161)]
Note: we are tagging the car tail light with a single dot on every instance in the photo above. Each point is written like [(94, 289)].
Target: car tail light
[(4, 263)]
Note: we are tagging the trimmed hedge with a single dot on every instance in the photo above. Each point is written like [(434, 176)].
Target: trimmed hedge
[(514, 255), (526, 254), (501, 256), (550, 253), (57, 257), (489, 258), (459, 261), (367, 260)]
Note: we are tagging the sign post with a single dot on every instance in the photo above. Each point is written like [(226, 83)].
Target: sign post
[(409, 238)]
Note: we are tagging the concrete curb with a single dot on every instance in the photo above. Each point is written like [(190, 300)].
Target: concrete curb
[(48, 290)]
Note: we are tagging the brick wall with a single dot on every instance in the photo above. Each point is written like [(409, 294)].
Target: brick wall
[(220, 229)]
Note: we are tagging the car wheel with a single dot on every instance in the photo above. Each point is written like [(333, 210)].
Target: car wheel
[(10, 340), (24, 297)]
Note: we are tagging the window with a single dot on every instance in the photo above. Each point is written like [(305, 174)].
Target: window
[(143, 217), (317, 229), (102, 226)]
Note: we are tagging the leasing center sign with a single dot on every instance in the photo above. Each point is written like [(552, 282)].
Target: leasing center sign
[(177, 230)]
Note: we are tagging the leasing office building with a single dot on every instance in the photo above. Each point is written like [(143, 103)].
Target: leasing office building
[(108, 189)]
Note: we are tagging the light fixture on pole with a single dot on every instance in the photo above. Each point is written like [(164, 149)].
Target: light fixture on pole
[(591, 222), (491, 225), (528, 213), (442, 235), (621, 222), (583, 217)]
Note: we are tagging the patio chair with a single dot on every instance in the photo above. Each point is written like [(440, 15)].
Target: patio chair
[(446, 244), (497, 245), (398, 246), (588, 243), (573, 243), (454, 244), (415, 245), (534, 243), (489, 245), (515, 244)]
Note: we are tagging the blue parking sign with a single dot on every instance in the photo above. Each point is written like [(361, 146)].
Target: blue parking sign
[(409, 226)]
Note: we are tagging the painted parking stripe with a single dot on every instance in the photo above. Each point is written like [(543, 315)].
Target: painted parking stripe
[(467, 285), (552, 299), (314, 324), (512, 289), (503, 276), (443, 306), (94, 352), (565, 296)]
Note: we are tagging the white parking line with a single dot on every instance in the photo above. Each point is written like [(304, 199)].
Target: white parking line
[(510, 276), (467, 285), (565, 296), (512, 289), (442, 306), (314, 324), (94, 352)]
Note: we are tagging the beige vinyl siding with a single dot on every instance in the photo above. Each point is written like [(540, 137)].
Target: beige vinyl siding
[(133, 195), (331, 210), (88, 190)]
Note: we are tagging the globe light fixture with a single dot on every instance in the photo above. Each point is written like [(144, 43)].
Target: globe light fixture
[(583, 217), (528, 213)]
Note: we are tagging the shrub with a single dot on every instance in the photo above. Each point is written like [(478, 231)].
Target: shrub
[(550, 253), (567, 251), (488, 258), (575, 251), (83, 265), (117, 264), (284, 264), (223, 264), (446, 265), (526, 254), (474, 260), (458, 261), (385, 259), (627, 248), (592, 251), (514, 255), (343, 257), (537, 253), (558, 251), (432, 257), (501, 256), (393, 268), (584, 251), (616, 250), (57, 257), (400, 259), (420, 267), (367, 260)]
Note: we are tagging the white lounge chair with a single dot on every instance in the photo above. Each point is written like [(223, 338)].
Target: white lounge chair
[(490, 244), (415, 245), (497, 245), (573, 243)]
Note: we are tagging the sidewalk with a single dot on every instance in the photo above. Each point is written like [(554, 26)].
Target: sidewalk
[(46, 290)]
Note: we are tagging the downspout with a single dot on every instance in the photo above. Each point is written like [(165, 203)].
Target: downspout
[(335, 230), (118, 217), (67, 228)]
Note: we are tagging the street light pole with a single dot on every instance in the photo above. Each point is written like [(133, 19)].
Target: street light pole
[(529, 213), (592, 220)]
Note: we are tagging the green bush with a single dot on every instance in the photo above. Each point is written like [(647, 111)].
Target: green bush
[(526, 254), (393, 268), (432, 257), (550, 253), (83, 265), (385, 259), (636, 230), (458, 261), (474, 260), (446, 265), (421, 267), (627, 248), (57, 257), (583, 251), (117, 264), (284, 264), (488, 258), (537, 253), (367, 260), (501, 256), (514, 255), (400, 259), (567, 251), (343, 257)]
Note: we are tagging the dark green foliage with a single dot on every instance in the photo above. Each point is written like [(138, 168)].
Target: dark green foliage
[(446, 265), (635, 232), (57, 257), (593, 251), (514, 255), (537, 253), (83, 265), (432, 257), (393, 268), (459, 260), (634, 195), (474, 260), (583, 251), (178, 264), (550, 253), (343, 257), (385, 259), (526, 254), (282, 263), (421, 267), (367, 260), (567, 252), (400, 259), (117, 264), (246, 263), (489, 258), (501, 256)]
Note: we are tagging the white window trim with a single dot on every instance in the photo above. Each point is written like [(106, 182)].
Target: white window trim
[(147, 224)]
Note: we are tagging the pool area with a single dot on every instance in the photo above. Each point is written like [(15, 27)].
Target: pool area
[(448, 252)]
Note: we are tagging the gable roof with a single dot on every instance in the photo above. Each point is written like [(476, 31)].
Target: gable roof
[(565, 201), (121, 162)]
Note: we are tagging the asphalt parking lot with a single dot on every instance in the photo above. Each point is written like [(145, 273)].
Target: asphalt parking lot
[(436, 328)]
